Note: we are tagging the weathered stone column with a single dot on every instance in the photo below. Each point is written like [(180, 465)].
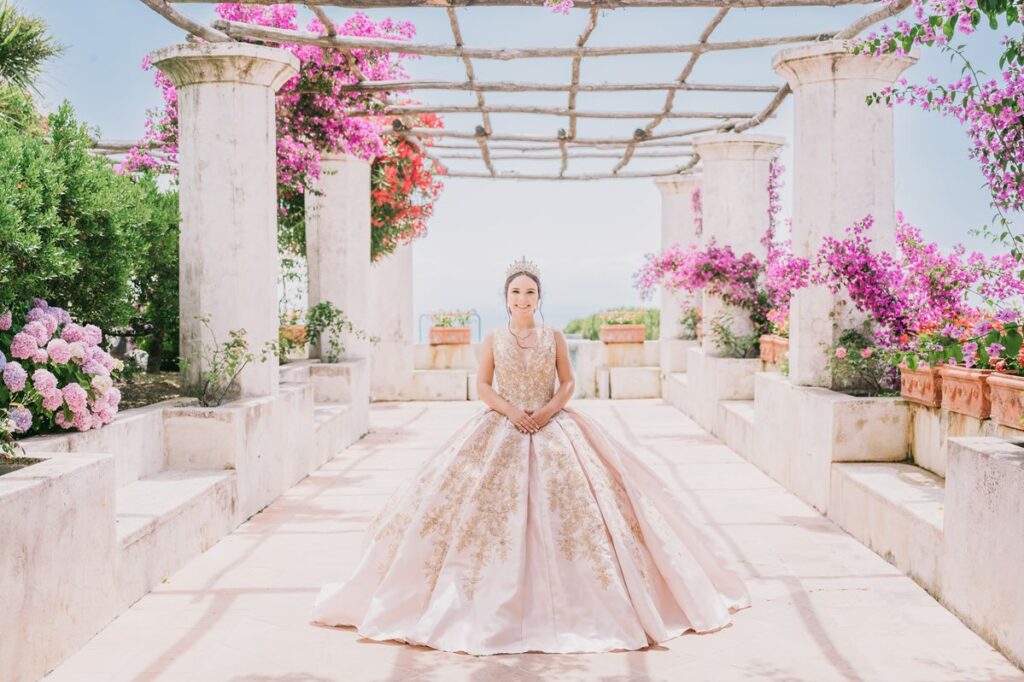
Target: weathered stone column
[(678, 226), (338, 243), (391, 312), (735, 193), (227, 161), (843, 170)]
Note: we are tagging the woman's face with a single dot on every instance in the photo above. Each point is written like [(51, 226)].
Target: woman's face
[(522, 296)]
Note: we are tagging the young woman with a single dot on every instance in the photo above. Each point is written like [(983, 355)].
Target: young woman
[(532, 528)]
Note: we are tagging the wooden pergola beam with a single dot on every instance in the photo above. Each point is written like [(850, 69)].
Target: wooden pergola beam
[(577, 4), (544, 111), (462, 135), (495, 86), (236, 30)]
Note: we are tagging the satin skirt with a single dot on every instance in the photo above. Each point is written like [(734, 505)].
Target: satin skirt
[(560, 541)]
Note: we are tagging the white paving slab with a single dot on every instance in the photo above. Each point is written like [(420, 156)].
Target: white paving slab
[(825, 607)]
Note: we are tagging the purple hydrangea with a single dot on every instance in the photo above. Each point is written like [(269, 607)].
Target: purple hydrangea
[(22, 418), (3, 359), (38, 331), (15, 376), (72, 332)]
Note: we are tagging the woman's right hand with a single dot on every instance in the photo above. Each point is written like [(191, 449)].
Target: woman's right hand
[(523, 421)]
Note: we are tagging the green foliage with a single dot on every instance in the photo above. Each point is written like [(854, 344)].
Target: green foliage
[(733, 345), (327, 322), (688, 323), (452, 318), (37, 246), (224, 362), (858, 367), (590, 327), (101, 245), (24, 46), (156, 277)]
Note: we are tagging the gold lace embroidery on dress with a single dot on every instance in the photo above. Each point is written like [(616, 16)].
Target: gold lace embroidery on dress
[(525, 378), (582, 530)]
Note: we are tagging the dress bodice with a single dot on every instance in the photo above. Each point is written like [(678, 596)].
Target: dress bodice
[(524, 376)]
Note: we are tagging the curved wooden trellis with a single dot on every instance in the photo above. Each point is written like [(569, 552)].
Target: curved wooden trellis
[(565, 141)]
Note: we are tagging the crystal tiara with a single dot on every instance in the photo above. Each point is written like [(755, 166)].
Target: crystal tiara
[(523, 265)]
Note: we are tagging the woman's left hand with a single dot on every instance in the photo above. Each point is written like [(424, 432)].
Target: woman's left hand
[(540, 416)]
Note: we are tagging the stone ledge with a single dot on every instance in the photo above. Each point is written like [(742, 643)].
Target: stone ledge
[(981, 580), (439, 384), (166, 520), (634, 382), (896, 510), (737, 420)]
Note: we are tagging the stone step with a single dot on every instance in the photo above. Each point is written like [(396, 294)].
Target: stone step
[(634, 382), (677, 387), (165, 520), (737, 420), (439, 384), (895, 509), (335, 429)]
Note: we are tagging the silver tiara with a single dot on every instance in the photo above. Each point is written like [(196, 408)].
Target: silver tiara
[(523, 265)]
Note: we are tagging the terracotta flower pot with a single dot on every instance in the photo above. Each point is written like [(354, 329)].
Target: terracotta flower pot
[(295, 333), (767, 345), (622, 333), (965, 391), (441, 336), (1007, 392), (922, 385)]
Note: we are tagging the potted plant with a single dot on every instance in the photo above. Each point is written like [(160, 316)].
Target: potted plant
[(968, 353), (859, 367), (775, 344), (450, 327), (622, 325), (690, 324)]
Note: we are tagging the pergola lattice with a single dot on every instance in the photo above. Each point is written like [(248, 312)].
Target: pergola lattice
[(564, 144)]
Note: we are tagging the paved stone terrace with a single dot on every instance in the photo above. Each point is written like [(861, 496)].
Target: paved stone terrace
[(825, 607)]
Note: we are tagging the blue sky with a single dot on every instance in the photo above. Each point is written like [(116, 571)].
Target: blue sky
[(588, 237)]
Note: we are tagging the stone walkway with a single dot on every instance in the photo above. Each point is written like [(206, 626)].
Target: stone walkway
[(825, 607)]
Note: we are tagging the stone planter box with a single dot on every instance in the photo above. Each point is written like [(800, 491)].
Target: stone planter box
[(1007, 395), (440, 336), (922, 385), (622, 333), (965, 391)]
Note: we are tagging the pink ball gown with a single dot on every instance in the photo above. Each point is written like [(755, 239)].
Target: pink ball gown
[(559, 541)]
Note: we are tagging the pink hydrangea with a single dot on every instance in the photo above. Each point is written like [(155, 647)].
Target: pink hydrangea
[(38, 331), (24, 346), (101, 384), (93, 335), (44, 381), (77, 351), (59, 351), (44, 316), (114, 397), (62, 420), (76, 397), (6, 319), (53, 400), (82, 420), (72, 333), (40, 357)]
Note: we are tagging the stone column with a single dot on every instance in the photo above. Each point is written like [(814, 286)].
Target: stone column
[(338, 243), (735, 208), (227, 161), (843, 170), (678, 226), (391, 312)]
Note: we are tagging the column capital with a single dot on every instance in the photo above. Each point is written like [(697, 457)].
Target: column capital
[(226, 63), (737, 146), (341, 159), (678, 184), (832, 60)]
